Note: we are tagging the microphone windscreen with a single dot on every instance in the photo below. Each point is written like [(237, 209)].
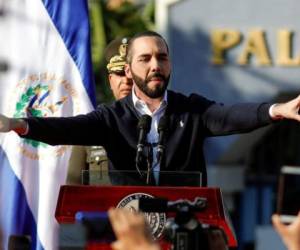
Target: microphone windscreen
[(145, 123), (163, 123)]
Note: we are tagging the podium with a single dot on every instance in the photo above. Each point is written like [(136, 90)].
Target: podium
[(74, 198)]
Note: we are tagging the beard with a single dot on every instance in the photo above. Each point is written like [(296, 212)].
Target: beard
[(158, 91)]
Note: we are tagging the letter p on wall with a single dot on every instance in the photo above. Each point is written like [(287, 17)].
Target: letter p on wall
[(221, 41)]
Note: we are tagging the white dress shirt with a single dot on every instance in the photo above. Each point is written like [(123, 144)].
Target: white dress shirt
[(152, 136)]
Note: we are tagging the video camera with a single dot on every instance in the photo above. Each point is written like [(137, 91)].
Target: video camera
[(184, 231)]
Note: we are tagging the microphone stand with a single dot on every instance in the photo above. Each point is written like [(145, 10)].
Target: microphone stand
[(137, 165), (162, 129), (149, 162)]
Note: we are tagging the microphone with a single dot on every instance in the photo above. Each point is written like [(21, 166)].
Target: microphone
[(162, 129), (144, 126)]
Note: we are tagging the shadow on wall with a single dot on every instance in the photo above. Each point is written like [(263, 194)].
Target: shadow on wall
[(192, 70)]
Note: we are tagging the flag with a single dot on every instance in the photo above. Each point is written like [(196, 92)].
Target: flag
[(45, 70)]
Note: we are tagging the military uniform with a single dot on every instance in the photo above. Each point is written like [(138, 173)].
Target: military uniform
[(86, 163)]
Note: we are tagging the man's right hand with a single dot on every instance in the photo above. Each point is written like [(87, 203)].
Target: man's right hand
[(13, 124), (4, 124)]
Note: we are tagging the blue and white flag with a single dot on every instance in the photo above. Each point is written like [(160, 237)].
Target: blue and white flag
[(45, 70)]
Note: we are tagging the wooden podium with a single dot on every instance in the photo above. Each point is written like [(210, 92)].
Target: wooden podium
[(100, 198)]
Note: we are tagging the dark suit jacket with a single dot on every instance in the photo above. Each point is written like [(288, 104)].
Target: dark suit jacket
[(192, 119)]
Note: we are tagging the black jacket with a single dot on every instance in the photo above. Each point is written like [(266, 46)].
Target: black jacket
[(192, 119)]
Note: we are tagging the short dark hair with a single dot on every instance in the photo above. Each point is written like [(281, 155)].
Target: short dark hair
[(138, 35)]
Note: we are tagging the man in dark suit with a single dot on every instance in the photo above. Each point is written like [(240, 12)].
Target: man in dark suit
[(191, 118)]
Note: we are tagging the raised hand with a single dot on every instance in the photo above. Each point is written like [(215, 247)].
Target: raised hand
[(290, 234), (288, 110), (131, 231), (4, 124)]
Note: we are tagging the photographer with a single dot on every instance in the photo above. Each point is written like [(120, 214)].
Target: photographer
[(131, 230)]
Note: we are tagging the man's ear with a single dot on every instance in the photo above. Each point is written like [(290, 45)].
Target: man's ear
[(109, 79), (127, 71)]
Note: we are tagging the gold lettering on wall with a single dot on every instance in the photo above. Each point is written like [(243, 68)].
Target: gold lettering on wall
[(222, 40), (284, 49), (255, 46)]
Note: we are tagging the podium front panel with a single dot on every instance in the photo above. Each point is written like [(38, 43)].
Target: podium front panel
[(100, 198)]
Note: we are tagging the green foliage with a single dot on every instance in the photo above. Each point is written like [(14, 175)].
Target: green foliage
[(98, 33), (106, 25), (127, 20)]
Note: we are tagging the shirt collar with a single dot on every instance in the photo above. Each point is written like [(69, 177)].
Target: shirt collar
[(139, 104)]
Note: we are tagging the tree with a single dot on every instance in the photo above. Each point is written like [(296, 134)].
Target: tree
[(107, 24)]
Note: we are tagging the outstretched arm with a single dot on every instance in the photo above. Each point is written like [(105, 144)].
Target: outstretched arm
[(245, 117), (88, 129), (290, 234), (12, 124)]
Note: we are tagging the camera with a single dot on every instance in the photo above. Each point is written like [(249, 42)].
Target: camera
[(184, 231)]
